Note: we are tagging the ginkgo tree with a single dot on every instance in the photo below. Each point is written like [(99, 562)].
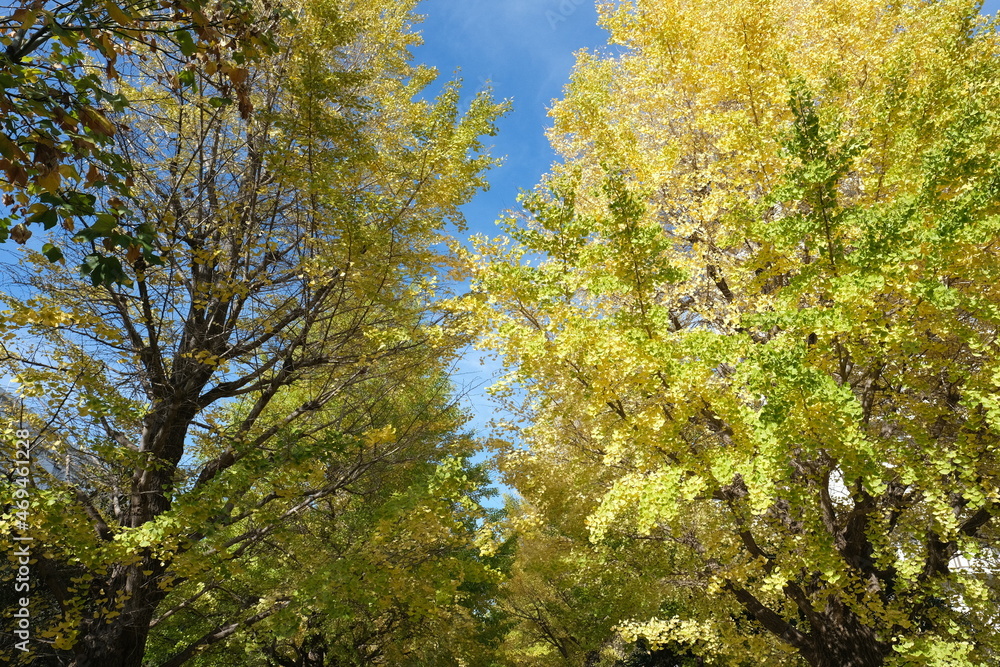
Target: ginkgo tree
[(761, 293), (174, 416), (387, 572), (564, 594)]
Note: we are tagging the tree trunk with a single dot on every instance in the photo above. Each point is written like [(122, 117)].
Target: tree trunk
[(839, 639), (846, 651), (121, 641), (836, 637)]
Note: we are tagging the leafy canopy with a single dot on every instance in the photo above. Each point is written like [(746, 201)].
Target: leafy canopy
[(762, 305)]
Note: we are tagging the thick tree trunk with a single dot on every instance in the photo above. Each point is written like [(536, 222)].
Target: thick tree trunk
[(840, 646), (838, 638), (835, 637), (121, 641)]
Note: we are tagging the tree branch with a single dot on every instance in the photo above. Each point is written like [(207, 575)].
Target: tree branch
[(220, 633)]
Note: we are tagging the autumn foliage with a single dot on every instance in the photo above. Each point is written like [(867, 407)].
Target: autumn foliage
[(763, 332), (749, 323)]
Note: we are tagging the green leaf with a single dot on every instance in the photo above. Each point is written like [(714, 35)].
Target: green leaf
[(187, 77), (185, 42), (53, 253)]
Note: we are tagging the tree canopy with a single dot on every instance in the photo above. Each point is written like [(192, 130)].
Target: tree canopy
[(60, 66), (281, 357), (750, 325), (756, 307)]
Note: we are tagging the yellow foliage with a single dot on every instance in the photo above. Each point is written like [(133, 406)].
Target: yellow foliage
[(762, 315)]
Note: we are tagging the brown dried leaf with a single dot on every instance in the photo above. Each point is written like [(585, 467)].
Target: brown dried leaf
[(134, 253), (20, 233), (93, 175)]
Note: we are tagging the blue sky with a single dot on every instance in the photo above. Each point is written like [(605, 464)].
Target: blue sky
[(524, 50)]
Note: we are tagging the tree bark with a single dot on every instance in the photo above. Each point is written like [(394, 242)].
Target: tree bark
[(841, 640), (121, 641), (835, 636)]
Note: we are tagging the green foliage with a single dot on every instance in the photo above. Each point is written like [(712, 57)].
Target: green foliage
[(384, 572), (258, 419)]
